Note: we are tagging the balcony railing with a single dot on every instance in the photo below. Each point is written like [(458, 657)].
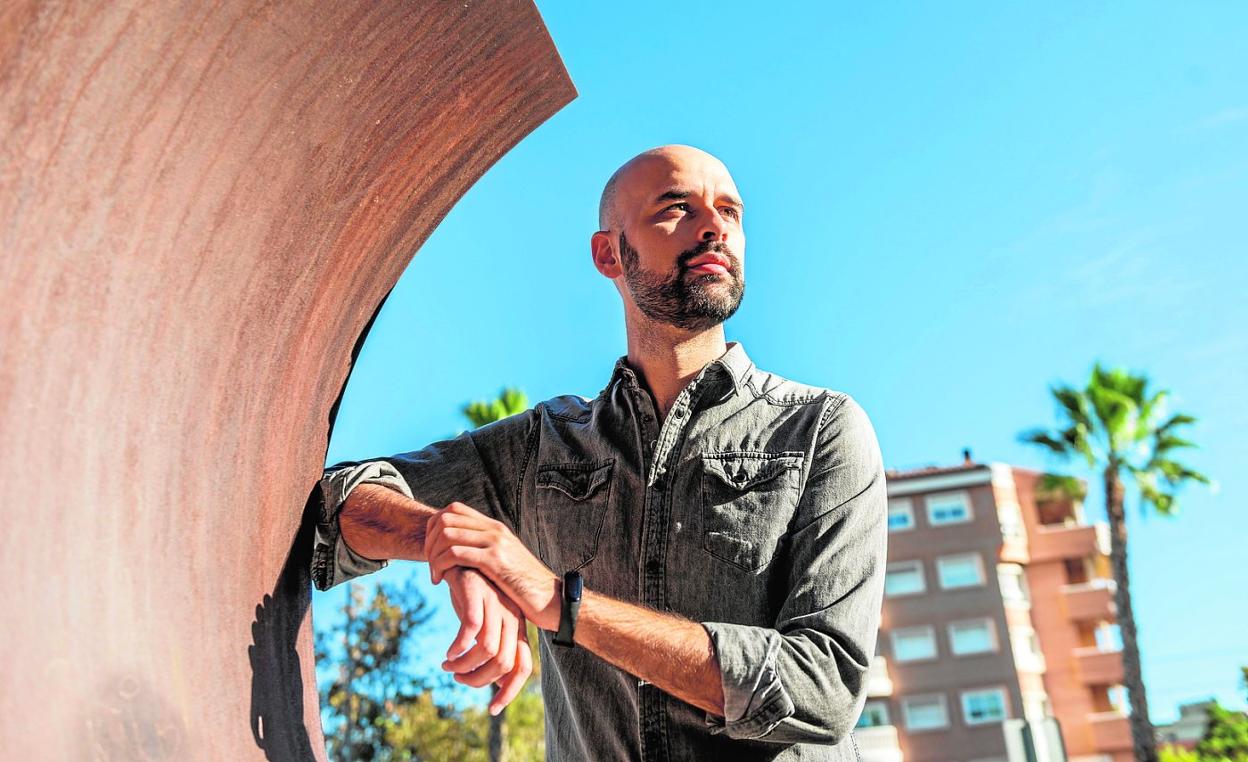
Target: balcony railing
[(1090, 601), (878, 744), (1111, 732), (1054, 543), (1099, 666)]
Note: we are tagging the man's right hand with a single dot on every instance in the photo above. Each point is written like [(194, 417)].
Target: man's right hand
[(501, 653)]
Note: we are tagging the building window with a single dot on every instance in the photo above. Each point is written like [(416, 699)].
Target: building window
[(980, 707), (900, 515), (874, 714), (973, 636), (965, 570), (949, 508), (904, 578), (925, 712), (914, 643), (1013, 584)]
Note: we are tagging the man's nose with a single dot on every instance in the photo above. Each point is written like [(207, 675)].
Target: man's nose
[(714, 227)]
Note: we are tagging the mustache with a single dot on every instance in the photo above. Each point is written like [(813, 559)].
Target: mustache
[(706, 247)]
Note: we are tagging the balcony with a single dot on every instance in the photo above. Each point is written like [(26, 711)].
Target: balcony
[(1111, 732), (1058, 542), (878, 744), (1090, 601), (1099, 666), (878, 681)]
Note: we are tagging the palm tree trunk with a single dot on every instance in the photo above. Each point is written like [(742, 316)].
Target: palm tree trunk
[(1142, 736), (498, 732)]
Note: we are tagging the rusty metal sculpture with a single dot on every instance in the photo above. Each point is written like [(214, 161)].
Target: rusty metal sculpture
[(201, 207)]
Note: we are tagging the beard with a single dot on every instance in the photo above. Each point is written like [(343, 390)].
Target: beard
[(691, 304)]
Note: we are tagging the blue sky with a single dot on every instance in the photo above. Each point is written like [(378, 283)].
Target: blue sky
[(950, 207)]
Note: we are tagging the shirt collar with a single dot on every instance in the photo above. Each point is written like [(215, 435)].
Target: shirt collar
[(728, 371)]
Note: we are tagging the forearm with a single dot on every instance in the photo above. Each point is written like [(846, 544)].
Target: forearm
[(381, 524), (672, 653)]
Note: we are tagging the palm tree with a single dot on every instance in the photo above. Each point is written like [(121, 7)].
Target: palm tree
[(1114, 424), (509, 402)]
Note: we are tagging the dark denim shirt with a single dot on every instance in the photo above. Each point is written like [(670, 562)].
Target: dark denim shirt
[(757, 508)]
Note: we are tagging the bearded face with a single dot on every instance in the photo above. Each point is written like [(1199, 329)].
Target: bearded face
[(692, 302)]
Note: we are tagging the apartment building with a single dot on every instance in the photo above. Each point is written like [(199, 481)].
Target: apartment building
[(998, 637)]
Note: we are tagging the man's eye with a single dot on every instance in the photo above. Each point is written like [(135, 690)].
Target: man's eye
[(732, 212), (681, 206)]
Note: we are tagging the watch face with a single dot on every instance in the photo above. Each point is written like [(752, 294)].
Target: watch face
[(572, 584)]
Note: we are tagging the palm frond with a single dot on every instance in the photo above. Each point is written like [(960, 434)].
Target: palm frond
[(1151, 494), (1117, 413), (1151, 408), (1073, 405), (1167, 442), (1044, 439), (1175, 421), (1176, 473)]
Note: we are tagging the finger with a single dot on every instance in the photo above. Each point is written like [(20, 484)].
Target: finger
[(455, 555), (505, 662), (465, 510), (470, 621), (469, 665), (449, 538), (511, 684), (494, 669)]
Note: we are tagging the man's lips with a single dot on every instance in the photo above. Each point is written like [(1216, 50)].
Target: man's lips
[(709, 267), (710, 263)]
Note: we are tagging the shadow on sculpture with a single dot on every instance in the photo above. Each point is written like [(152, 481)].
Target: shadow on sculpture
[(277, 722)]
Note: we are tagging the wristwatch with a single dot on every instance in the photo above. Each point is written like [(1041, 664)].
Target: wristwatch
[(573, 586)]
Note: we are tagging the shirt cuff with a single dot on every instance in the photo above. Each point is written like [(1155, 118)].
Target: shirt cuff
[(333, 561), (755, 700)]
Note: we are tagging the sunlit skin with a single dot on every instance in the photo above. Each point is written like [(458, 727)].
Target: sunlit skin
[(675, 206)]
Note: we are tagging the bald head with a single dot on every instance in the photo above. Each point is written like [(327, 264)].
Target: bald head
[(624, 182)]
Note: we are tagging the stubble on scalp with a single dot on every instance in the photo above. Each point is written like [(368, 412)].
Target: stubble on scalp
[(691, 304)]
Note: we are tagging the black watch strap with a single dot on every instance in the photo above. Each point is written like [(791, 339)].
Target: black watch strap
[(573, 586)]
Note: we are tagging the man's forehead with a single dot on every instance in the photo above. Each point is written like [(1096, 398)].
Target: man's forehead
[(650, 177)]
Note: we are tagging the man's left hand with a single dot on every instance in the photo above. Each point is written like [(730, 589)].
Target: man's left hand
[(459, 535)]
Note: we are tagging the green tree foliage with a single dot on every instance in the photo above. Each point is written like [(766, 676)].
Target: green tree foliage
[(1119, 428), (1226, 737), (1169, 753), (372, 679)]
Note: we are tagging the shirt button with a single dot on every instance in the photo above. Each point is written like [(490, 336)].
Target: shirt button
[(679, 413), (653, 567)]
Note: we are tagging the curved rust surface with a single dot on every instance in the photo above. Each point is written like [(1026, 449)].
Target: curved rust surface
[(201, 207)]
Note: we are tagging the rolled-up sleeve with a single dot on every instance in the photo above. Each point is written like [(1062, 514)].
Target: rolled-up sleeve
[(804, 680), (481, 468), (333, 561)]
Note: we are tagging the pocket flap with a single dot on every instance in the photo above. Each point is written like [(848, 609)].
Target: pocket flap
[(576, 480), (742, 470)]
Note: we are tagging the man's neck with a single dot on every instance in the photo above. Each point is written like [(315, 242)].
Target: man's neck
[(668, 358)]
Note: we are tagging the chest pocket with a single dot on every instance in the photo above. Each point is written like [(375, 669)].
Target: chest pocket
[(572, 500), (747, 501)]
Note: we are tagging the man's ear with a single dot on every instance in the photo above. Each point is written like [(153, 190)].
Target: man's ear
[(603, 252)]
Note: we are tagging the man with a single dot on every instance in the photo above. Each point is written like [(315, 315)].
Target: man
[(729, 525)]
